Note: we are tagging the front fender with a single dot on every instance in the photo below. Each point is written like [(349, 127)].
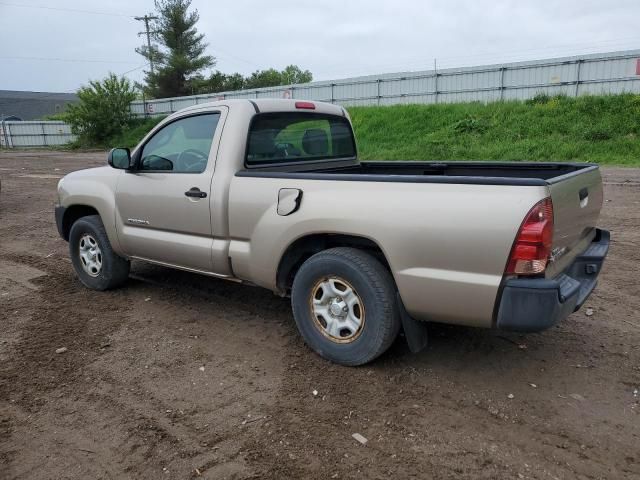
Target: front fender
[(95, 188)]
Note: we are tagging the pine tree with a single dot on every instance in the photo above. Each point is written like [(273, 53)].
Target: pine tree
[(178, 50)]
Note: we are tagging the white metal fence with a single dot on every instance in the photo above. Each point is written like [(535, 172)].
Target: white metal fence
[(34, 134), (606, 73)]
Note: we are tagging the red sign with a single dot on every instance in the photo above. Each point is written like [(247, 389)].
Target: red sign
[(638, 66)]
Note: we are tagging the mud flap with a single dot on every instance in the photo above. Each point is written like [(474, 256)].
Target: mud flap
[(414, 331)]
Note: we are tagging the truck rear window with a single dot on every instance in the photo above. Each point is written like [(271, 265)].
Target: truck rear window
[(287, 137)]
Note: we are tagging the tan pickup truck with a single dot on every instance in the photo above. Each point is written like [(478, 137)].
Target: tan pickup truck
[(271, 193)]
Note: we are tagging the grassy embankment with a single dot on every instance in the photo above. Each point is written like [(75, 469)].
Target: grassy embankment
[(602, 129)]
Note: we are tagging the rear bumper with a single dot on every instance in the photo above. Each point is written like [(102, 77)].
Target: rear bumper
[(531, 305)]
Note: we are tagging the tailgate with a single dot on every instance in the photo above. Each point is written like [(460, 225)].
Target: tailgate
[(577, 200)]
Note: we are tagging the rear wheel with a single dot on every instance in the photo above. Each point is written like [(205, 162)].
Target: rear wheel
[(96, 264), (344, 305)]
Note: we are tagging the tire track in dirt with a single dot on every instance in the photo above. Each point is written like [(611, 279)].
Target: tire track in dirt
[(129, 399)]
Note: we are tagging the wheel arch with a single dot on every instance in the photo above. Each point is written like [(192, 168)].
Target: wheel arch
[(304, 247), (73, 213)]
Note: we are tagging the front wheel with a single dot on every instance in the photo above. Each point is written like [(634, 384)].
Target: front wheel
[(344, 305), (98, 267)]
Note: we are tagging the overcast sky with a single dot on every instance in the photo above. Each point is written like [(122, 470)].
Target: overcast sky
[(58, 50)]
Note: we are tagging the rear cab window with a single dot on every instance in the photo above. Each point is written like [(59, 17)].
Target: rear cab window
[(292, 137)]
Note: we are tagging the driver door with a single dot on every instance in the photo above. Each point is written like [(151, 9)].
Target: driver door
[(164, 204)]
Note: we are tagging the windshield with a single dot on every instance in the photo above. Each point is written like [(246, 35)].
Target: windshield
[(294, 137)]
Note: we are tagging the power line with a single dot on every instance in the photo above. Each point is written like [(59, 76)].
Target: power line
[(564, 49), (507, 56), (227, 55), (132, 70), (147, 32), (61, 9), (55, 59)]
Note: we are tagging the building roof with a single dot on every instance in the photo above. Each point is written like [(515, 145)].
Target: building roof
[(33, 105), (20, 94)]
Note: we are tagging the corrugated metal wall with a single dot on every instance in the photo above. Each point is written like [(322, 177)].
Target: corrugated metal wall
[(34, 134), (587, 74)]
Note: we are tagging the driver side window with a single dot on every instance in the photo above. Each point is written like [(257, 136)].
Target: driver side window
[(182, 146)]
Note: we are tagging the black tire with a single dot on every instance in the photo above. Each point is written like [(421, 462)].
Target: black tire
[(114, 269), (374, 286)]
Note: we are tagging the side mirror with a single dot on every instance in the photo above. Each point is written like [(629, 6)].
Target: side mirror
[(119, 158)]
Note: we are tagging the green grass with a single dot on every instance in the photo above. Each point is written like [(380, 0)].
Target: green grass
[(602, 129)]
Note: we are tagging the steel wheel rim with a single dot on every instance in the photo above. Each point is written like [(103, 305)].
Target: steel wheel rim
[(337, 309), (90, 255)]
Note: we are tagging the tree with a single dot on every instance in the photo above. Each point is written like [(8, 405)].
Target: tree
[(218, 82), (222, 82), (272, 78), (103, 109), (235, 81), (264, 78), (179, 58), (292, 75)]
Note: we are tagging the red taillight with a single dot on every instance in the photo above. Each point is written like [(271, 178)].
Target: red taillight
[(306, 105), (530, 252)]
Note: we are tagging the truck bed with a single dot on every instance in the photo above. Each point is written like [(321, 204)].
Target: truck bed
[(489, 173), (575, 188)]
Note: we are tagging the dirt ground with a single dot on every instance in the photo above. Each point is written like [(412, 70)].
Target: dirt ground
[(183, 376)]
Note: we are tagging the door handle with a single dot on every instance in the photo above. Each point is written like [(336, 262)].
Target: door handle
[(195, 192)]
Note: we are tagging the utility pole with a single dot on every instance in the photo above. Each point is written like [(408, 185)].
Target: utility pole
[(146, 19)]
